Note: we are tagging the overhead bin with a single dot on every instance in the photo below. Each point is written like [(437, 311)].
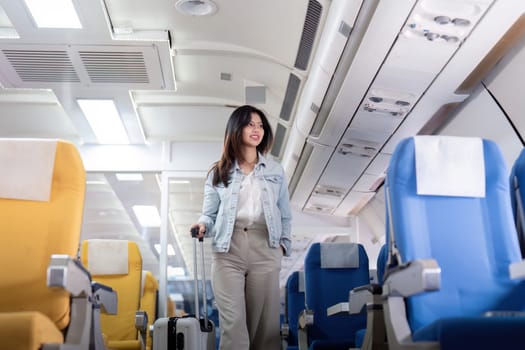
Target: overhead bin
[(338, 26)]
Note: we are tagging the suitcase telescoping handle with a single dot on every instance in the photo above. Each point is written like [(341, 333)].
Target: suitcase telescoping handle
[(194, 234)]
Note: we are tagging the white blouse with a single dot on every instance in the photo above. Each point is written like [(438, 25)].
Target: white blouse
[(249, 206)]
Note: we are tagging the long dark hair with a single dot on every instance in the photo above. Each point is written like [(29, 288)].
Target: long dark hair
[(231, 151)]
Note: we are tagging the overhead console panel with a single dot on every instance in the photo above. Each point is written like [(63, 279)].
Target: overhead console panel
[(406, 46)]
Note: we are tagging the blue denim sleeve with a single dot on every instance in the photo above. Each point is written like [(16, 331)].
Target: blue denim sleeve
[(210, 205), (283, 204)]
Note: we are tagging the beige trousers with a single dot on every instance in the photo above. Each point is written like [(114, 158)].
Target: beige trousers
[(245, 283)]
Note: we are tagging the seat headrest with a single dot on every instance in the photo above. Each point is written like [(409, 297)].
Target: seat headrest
[(450, 166), (108, 256), (27, 168), (339, 255)]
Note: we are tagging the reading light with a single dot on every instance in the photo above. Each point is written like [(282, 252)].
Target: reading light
[(442, 20), (104, 120), (54, 14), (147, 215), (461, 22)]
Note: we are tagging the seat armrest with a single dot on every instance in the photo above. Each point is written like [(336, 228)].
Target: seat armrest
[(105, 297), (412, 278), (306, 319), (83, 332), (337, 309), (517, 270), (357, 300), (67, 273), (141, 320), (141, 324), (372, 288), (360, 296), (285, 332)]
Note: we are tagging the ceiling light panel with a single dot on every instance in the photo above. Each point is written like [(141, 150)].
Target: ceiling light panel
[(170, 250), (54, 14), (104, 119), (147, 215), (129, 177)]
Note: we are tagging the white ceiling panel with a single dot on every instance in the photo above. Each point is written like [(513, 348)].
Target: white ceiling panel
[(36, 120), (379, 165), (171, 122), (274, 30)]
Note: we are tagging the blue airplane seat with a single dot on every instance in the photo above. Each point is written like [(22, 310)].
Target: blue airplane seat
[(294, 306), (382, 263), (360, 337), (458, 283), (517, 195), (331, 270)]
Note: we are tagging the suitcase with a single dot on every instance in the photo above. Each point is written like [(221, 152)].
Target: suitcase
[(188, 332)]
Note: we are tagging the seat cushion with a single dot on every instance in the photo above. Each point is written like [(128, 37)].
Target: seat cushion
[(124, 345), (475, 333), (27, 330)]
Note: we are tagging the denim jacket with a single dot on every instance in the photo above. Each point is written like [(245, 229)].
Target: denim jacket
[(219, 207)]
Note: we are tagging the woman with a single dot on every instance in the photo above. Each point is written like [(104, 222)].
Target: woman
[(246, 211)]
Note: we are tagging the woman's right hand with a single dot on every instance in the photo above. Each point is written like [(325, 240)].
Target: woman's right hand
[(202, 229)]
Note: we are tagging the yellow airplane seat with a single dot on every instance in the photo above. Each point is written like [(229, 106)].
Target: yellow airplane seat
[(118, 264), (148, 301), (46, 298), (172, 308)]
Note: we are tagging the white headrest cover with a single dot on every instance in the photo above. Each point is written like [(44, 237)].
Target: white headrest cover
[(339, 255), (27, 168), (450, 166), (108, 256)]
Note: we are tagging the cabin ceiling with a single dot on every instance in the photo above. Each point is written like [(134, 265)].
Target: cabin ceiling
[(374, 75), (174, 78)]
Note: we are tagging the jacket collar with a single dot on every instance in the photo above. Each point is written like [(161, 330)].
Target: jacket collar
[(262, 160)]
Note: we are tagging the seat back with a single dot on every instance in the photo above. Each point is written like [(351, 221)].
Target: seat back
[(172, 308), (294, 304), (149, 300), (382, 258), (331, 270), (42, 185), (448, 200), (118, 264), (517, 195)]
